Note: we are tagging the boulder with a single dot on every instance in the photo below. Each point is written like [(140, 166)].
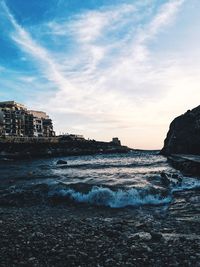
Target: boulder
[(156, 237), (61, 162), (183, 136)]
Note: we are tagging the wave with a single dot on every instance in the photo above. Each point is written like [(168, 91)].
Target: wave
[(189, 184), (109, 166), (110, 196), (103, 196)]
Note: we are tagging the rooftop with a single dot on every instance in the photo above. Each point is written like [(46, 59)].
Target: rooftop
[(39, 114), (11, 103)]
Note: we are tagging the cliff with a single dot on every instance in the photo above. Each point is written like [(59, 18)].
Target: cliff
[(183, 136)]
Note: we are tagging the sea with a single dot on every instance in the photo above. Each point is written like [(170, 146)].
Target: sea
[(135, 179)]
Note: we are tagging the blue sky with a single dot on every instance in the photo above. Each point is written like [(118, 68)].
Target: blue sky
[(103, 68)]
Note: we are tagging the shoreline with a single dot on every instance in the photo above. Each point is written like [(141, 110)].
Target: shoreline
[(42, 225), (82, 235), (188, 164), (47, 149)]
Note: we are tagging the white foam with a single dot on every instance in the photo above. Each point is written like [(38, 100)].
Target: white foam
[(114, 199)]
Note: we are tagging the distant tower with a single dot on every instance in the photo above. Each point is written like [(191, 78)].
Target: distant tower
[(116, 141)]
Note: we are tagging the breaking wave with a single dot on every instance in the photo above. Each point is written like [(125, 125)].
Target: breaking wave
[(103, 196)]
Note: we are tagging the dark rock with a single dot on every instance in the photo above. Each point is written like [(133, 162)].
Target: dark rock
[(61, 162), (112, 233), (176, 176), (184, 134), (187, 164), (156, 237), (164, 179), (182, 239), (140, 226)]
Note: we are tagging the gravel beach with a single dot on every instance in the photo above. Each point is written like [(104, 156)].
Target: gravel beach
[(83, 235)]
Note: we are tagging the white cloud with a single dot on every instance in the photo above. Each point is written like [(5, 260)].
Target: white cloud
[(114, 83), (43, 57), (90, 26)]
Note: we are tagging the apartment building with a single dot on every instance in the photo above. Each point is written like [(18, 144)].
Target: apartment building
[(42, 124), (17, 120)]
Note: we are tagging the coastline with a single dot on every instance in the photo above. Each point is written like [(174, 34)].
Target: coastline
[(53, 147), (43, 225), (187, 164), (82, 235)]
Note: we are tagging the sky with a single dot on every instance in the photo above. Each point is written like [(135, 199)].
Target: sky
[(103, 68)]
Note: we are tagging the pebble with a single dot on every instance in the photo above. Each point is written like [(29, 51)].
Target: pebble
[(53, 237)]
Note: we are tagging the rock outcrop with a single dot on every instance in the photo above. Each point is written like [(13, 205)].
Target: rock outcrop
[(184, 134), (39, 149)]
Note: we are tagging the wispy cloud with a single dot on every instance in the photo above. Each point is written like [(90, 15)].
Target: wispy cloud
[(44, 59), (92, 25), (107, 77)]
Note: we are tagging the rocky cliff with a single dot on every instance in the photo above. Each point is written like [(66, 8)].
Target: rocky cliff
[(183, 136)]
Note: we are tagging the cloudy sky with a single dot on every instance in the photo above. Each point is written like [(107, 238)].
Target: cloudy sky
[(103, 68)]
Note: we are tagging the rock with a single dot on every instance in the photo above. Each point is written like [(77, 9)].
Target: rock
[(143, 236), (141, 226), (83, 254), (31, 259), (71, 256), (156, 237), (146, 248), (183, 136), (182, 239), (118, 256), (133, 248), (38, 234), (110, 261), (187, 164), (176, 176), (164, 179), (112, 233), (61, 162)]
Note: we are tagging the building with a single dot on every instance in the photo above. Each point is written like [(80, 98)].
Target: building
[(1, 122), (42, 124), (116, 141), (17, 120), (1, 125), (14, 119)]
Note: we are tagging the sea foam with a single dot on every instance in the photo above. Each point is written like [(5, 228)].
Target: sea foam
[(103, 196)]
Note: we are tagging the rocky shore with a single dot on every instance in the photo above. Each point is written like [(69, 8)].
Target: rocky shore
[(188, 164), (182, 144), (82, 235), (37, 148)]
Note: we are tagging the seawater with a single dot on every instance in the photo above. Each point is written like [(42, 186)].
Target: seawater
[(115, 180)]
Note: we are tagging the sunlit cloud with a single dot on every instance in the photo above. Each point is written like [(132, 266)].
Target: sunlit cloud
[(106, 70)]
